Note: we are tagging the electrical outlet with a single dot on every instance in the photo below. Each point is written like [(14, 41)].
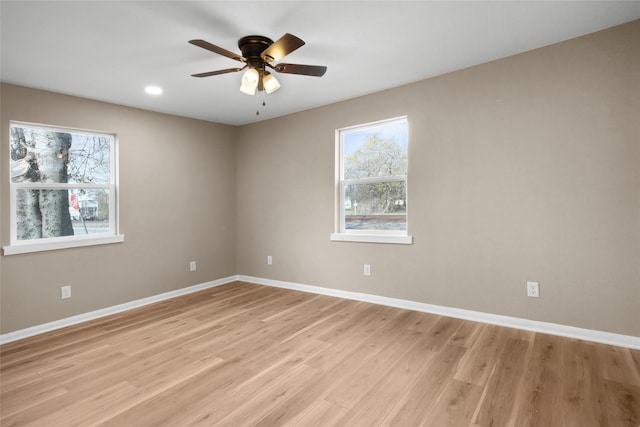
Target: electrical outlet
[(65, 292), (192, 266), (533, 289), (269, 260), (367, 270)]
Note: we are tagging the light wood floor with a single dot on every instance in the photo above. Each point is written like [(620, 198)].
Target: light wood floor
[(243, 354)]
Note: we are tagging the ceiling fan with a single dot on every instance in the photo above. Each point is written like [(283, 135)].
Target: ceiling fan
[(258, 52)]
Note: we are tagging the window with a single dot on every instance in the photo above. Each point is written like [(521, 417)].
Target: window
[(62, 188), (372, 162)]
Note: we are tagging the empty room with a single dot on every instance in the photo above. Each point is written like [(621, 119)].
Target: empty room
[(320, 213)]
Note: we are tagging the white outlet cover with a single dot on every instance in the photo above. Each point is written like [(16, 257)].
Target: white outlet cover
[(65, 292), (533, 289), (367, 270)]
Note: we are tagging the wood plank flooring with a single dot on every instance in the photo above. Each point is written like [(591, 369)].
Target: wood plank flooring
[(244, 354)]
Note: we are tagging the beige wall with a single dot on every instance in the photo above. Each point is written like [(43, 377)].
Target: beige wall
[(523, 169), (177, 204)]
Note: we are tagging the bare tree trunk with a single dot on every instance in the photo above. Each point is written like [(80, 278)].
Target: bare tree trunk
[(52, 149), (56, 220), (43, 213), (29, 218)]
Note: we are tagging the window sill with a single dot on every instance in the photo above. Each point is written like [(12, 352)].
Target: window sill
[(372, 238), (24, 248)]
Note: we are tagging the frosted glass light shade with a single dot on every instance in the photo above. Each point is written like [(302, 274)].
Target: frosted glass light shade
[(250, 81), (270, 83)]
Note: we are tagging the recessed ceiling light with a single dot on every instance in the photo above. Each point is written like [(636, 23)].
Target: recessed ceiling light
[(153, 90)]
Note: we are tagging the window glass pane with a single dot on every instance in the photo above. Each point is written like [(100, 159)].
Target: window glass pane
[(46, 155), (89, 159), (43, 213), (376, 206), (375, 151)]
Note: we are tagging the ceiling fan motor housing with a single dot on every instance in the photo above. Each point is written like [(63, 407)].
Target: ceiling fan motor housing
[(251, 48)]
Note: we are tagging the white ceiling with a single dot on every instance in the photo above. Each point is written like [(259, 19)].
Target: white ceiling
[(111, 50)]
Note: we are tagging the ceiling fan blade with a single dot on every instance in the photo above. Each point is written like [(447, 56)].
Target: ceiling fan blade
[(307, 70), (215, 73), (217, 49), (281, 48)]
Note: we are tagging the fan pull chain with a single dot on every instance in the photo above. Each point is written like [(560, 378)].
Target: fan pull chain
[(264, 104)]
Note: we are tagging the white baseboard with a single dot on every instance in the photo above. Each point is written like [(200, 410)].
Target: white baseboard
[(628, 341), (476, 316), (80, 318)]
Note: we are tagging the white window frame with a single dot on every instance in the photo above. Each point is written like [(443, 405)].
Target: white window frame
[(341, 233), (52, 243)]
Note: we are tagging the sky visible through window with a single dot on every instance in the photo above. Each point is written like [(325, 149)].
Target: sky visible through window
[(355, 139)]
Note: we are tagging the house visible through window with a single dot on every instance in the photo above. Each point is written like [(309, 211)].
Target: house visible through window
[(372, 182), (63, 188)]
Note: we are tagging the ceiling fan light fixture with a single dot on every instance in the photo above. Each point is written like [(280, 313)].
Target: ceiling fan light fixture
[(251, 76), (249, 90), (250, 80), (270, 83)]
